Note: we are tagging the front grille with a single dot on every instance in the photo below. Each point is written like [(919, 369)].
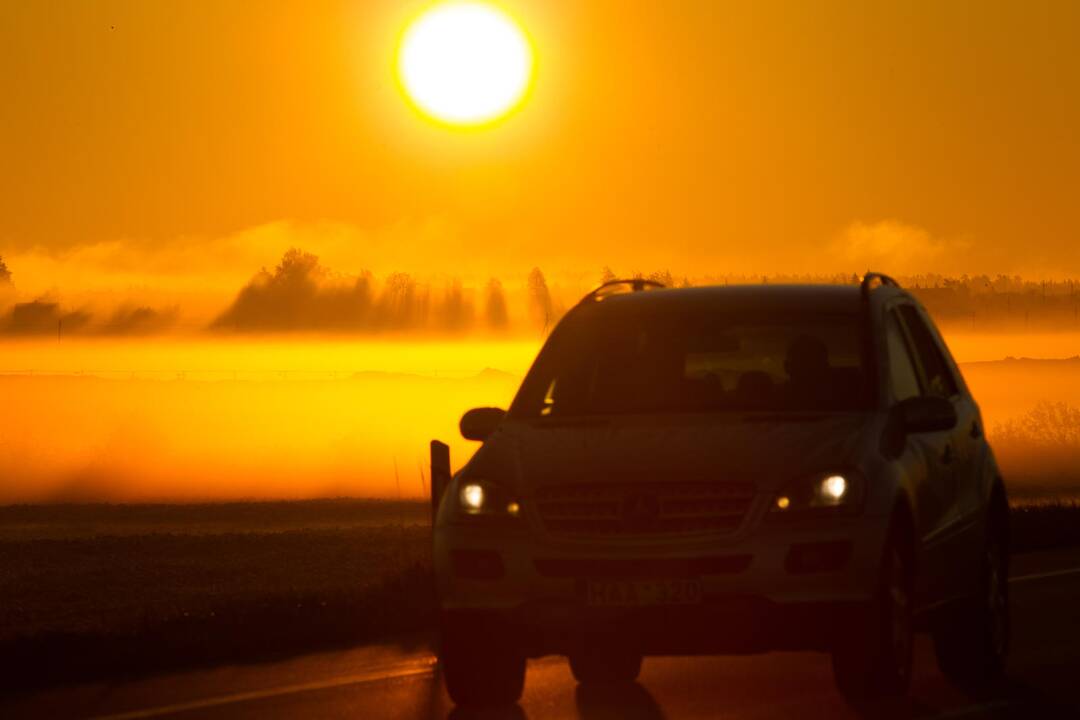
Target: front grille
[(660, 508), (641, 567)]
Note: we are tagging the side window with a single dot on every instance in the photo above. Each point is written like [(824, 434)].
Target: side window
[(902, 376), (939, 380)]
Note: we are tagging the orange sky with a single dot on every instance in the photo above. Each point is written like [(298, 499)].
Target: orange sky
[(695, 135)]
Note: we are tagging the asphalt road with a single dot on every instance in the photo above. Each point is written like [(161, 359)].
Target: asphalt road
[(400, 683)]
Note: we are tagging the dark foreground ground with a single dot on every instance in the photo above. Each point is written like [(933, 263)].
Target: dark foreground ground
[(92, 592), (391, 682)]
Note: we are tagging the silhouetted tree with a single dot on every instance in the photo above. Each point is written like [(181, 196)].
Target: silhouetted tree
[(42, 317), (282, 300), (606, 275), (396, 302), (5, 274), (298, 295), (539, 298), (495, 306), (456, 312), (298, 267), (663, 277)]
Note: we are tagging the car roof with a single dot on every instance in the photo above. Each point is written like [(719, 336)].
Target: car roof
[(758, 298)]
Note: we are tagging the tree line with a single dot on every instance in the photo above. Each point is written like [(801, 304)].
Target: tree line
[(300, 294)]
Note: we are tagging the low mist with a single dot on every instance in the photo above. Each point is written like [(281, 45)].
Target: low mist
[(113, 421), (272, 417)]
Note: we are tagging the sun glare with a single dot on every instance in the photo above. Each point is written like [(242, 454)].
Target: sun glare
[(465, 63)]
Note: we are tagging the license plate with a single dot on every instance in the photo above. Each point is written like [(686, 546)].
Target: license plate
[(643, 592)]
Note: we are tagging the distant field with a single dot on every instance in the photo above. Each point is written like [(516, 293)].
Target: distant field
[(1032, 413)]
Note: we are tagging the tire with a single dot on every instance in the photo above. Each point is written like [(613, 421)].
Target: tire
[(873, 658), (971, 640), (598, 666), (480, 666)]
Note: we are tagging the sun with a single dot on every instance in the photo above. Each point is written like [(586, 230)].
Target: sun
[(465, 63)]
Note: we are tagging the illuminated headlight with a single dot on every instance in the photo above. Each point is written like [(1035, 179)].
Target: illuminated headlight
[(478, 497), (833, 489), (472, 497), (822, 491)]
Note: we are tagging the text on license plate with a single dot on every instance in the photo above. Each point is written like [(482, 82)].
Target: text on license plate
[(683, 591)]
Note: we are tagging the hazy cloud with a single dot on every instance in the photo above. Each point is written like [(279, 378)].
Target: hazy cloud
[(898, 248)]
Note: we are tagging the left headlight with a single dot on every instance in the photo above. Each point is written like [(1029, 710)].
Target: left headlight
[(825, 492), (479, 497)]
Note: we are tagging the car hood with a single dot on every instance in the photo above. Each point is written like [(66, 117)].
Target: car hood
[(767, 452)]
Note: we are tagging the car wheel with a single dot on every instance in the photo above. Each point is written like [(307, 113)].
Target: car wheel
[(873, 658), (481, 668), (605, 666), (972, 640)]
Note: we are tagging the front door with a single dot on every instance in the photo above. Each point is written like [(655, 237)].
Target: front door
[(950, 544), (926, 457)]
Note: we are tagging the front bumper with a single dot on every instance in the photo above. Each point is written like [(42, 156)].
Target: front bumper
[(780, 587), (731, 625)]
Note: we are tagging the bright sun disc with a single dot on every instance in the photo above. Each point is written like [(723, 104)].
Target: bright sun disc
[(465, 63)]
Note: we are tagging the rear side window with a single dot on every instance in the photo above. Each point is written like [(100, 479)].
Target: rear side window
[(939, 379), (902, 375)]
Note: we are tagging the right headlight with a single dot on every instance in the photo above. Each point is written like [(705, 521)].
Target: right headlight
[(479, 497), (824, 492)]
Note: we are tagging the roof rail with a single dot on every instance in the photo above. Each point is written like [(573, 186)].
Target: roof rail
[(615, 287), (870, 277)]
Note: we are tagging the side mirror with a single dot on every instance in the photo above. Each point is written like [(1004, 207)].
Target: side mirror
[(926, 414), (479, 423)]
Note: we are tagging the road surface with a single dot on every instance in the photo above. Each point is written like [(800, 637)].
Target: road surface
[(399, 683)]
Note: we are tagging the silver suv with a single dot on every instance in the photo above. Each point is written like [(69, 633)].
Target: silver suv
[(726, 470)]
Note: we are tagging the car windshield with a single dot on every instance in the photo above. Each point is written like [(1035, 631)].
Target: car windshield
[(612, 361)]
